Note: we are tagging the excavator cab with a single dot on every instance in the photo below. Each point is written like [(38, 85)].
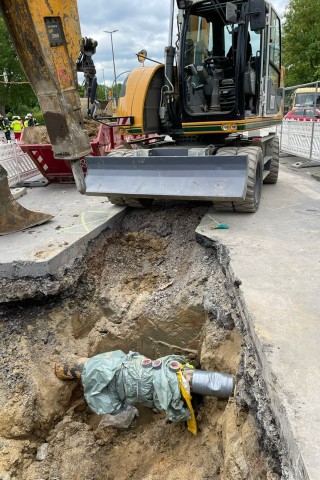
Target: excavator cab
[(226, 70), (228, 73)]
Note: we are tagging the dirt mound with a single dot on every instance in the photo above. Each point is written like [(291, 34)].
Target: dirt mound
[(148, 287), (39, 135)]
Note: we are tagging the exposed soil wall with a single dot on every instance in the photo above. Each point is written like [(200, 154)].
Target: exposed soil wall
[(147, 286)]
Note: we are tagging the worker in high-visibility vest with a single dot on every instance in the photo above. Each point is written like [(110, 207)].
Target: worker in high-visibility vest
[(17, 127)]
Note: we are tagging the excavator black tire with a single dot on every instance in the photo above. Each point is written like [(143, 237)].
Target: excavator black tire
[(128, 201), (250, 204), (272, 177)]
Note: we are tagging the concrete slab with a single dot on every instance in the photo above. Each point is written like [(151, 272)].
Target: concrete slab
[(275, 253), (46, 250)]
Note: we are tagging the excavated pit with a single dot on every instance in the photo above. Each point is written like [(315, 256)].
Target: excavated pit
[(150, 287)]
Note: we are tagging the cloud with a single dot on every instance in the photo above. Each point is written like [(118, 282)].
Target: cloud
[(139, 24), (280, 5)]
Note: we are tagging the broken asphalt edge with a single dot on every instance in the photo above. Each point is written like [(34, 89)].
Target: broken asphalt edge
[(20, 280), (293, 461)]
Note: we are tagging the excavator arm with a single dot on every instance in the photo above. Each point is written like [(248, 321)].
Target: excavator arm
[(47, 38), (85, 65)]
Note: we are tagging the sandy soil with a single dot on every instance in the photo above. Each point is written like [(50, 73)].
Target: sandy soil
[(148, 287), (39, 134)]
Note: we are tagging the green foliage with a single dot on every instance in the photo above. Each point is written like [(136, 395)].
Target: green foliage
[(103, 93), (19, 99), (12, 96), (301, 42), (81, 90)]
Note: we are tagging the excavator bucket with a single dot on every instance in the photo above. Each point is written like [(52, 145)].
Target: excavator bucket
[(14, 217), (170, 174)]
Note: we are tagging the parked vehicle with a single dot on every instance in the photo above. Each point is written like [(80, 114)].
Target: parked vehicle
[(306, 97), (303, 114)]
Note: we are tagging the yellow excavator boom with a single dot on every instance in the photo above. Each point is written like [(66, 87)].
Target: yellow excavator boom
[(47, 39)]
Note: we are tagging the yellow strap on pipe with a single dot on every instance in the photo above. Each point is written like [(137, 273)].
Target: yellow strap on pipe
[(192, 423)]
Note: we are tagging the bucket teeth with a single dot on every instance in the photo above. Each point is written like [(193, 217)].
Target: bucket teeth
[(14, 217)]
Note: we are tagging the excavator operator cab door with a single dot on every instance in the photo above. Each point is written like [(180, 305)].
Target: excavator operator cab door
[(221, 63), (271, 69), (207, 73)]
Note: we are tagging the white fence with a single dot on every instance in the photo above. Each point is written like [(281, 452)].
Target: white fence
[(18, 164), (301, 138)]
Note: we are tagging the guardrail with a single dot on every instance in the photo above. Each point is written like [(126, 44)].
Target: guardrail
[(18, 164), (301, 138)]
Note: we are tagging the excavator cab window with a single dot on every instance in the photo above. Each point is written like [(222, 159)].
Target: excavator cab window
[(223, 64), (272, 65), (252, 72), (208, 71), (213, 57)]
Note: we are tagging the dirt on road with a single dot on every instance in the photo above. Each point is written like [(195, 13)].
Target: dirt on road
[(150, 287)]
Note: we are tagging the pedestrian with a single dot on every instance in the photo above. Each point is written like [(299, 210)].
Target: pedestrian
[(5, 126), (29, 120), (17, 127)]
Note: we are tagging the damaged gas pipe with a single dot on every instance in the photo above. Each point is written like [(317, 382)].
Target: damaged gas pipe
[(215, 384), (114, 381)]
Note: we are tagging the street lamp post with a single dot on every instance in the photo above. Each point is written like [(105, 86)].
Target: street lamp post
[(114, 66), (104, 85)]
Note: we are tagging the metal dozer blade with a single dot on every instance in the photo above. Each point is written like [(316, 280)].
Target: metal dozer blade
[(14, 217), (168, 174)]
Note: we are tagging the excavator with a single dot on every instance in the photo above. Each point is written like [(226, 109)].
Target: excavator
[(211, 107)]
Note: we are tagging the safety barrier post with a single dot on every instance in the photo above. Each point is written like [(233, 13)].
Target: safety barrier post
[(313, 123)]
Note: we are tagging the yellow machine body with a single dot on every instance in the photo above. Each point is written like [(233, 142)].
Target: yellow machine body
[(141, 100)]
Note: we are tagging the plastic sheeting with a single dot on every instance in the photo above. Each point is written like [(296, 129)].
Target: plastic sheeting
[(114, 380)]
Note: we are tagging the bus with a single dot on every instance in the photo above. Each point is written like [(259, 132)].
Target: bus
[(306, 97)]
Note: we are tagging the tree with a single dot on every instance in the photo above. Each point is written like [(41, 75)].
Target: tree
[(301, 42), (12, 95)]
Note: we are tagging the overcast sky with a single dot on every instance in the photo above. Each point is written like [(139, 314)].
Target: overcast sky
[(139, 24)]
